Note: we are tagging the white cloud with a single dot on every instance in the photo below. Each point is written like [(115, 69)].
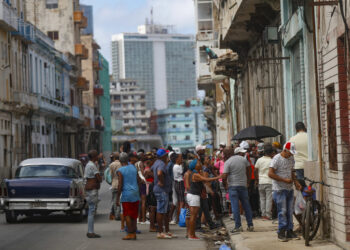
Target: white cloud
[(117, 16)]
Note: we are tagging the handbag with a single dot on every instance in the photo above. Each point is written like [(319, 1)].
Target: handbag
[(92, 183)]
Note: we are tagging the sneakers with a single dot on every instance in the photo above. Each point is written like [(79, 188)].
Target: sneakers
[(282, 236), (292, 236), (163, 236), (250, 229), (171, 235), (172, 222), (130, 237), (236, 230), (93, 235)]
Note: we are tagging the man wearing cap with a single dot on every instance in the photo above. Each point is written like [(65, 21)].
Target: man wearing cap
[(282, 175), (200, 151), (237, 173), (161, 191)]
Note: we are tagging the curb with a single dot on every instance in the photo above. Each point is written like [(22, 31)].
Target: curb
[(235, 239)]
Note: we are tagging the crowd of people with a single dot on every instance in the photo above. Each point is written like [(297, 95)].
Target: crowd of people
[(254, 179)]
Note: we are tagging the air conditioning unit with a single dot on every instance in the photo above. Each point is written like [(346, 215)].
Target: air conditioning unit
[(271, 35)]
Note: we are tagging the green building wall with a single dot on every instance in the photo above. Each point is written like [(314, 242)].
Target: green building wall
[(105, 105)]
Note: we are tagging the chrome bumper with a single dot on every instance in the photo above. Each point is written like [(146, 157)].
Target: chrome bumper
[(41, 204)]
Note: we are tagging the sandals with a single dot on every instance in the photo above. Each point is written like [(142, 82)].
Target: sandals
[(163, 236)]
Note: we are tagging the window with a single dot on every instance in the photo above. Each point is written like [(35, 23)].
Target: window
[(126, 121), (173, 116), (331, 129), (51, 4), (53, 35), (187, 125), (174, 125), (188, 137), (297, 84), (187, 115), (174, 137)]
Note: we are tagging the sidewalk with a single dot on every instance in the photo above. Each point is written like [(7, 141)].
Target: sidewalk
[(265, 238)]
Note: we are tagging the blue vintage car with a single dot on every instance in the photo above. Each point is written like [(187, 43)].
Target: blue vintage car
[(42, 186)]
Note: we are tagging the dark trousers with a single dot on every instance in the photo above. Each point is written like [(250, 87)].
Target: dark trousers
[(205, 209), (254, 198)]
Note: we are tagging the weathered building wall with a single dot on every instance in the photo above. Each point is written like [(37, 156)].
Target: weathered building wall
[(333, 66)]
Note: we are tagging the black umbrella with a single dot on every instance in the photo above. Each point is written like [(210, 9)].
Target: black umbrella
[(256, 133)]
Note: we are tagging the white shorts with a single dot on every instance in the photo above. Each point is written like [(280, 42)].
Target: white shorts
[(193, 200)]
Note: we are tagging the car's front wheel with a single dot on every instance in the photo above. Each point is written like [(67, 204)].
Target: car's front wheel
[(11, 216)]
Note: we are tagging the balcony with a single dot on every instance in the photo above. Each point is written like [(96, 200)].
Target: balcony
[(82, 83), (25, 99), (81, 51), (25, 31), (51, 105), (98, 90), (96, 65), (80, 19), (8, 17)]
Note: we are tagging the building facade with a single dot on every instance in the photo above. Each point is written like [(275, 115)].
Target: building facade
[(183, 125), (128, 106), (105, 105), (292, 65), (162, 64)]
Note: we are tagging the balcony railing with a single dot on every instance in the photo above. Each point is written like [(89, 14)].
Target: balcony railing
[(98, 90), (81, 51), (27, 99), (25, 31), (82, 83), (8, 17), (51, 105)]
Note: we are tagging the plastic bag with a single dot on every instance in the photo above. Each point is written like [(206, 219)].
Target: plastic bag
[(299, 204), (108, 176), (225, 247), (182, 217)]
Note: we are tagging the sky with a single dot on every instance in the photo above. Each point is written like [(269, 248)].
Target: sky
[(117, 16)]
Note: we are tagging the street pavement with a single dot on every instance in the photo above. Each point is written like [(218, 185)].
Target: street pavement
[(264, 237), (59, 232)]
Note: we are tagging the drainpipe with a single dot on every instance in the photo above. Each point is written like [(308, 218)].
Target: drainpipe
[(318, 112)]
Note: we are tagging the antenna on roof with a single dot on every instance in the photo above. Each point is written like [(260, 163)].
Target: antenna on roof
[(152, 15)]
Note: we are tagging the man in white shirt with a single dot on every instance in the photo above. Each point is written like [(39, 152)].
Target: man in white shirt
[(262, 167), (300, 141)]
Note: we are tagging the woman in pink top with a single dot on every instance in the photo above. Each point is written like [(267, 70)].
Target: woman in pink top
[(219, 165)]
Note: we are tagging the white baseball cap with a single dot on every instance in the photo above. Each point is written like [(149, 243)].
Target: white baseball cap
[(244, 144), (222, 144), (289, 146), (240, 150), (200, 147)]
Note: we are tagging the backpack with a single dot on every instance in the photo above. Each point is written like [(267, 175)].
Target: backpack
[(108, 176)]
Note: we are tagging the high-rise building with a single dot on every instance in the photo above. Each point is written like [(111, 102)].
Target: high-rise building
[(162, 63), (183, 125), (128, 106)]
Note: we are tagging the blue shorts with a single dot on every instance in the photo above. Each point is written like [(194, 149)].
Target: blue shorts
[(162, 202)]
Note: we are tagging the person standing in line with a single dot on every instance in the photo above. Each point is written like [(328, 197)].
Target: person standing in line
[(179, 184), (161, 192), (172, 196), (196, 186), (262, 167), (300, 141), (93, 180), (282, 174), (237, 173), (128, 189), (114, 166)]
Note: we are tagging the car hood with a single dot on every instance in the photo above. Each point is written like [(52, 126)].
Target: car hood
[(38, 187)]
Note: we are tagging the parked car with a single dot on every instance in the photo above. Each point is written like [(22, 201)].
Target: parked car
[(42, 186)]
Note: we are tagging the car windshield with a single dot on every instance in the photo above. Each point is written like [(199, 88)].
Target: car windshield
[(45, 171)]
